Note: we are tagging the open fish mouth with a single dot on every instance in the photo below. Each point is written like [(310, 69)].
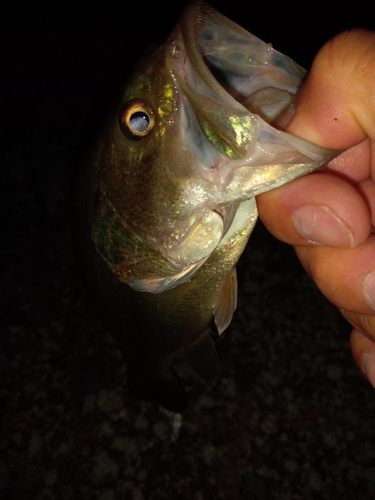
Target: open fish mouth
[(235, 63), (237, 85)]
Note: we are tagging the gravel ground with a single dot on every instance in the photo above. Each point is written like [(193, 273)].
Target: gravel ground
[(290, 417)]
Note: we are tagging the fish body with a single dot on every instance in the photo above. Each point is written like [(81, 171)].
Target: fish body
[(166, 198)]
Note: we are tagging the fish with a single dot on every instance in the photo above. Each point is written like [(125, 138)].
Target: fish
[(166, 198)]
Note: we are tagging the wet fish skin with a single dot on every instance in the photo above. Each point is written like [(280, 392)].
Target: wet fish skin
[(163, 214)]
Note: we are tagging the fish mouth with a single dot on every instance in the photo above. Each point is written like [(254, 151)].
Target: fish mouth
[(235, 86), (237, 65), (232, 79)]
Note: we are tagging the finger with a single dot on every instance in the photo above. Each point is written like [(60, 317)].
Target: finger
[(367, 190), (354, 164), (311, 211), (335, 107), (363, 347), (346, 276)]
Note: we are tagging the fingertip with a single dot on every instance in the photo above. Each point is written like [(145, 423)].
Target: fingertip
[(363, 350), (368, 367), (334, 107)]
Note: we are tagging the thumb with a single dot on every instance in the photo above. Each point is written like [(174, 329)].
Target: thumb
[(336, 106)]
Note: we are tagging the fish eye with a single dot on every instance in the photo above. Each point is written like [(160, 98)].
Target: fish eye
[(136, 119)]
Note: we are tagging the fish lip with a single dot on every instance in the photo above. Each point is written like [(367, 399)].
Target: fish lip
[(192, 21), (275, 71), (191, 24), (198, 92)]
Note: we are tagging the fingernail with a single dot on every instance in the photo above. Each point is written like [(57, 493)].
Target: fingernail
[(368, 367), (320, 225), (369, 289)]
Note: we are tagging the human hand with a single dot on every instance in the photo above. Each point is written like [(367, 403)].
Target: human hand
[(329, 216)]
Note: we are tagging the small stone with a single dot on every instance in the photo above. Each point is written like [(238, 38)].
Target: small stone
[(104, 466), (290, 465), (315, 481), (17, 438), (108, 495), (208, 454), (109, 401), (86, 451), (230, 388), (141, 423), (89, 404), (122, 414), (51, 477), (270, 425), (118, 443), (141, 475), (205, 401), (334, 372), (137, 494), (330, 438), (106, 430), (268, 472), (161, 429), (45, 494), (64, 448), (288, 393), (29, 389), (132, 447)]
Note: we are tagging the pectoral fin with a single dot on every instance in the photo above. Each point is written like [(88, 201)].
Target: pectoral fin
[(227, 302), (158, 285)]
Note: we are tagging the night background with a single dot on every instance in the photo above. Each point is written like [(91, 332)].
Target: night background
[(290, 417)]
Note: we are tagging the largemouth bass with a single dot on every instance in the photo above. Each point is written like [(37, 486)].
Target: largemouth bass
[(166, 200)]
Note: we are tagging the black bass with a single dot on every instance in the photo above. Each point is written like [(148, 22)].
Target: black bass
[(166, 201)]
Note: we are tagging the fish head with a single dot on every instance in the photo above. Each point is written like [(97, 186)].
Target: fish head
[(188, 142)]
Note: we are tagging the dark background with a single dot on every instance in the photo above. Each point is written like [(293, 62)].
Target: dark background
[(290, 418)]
